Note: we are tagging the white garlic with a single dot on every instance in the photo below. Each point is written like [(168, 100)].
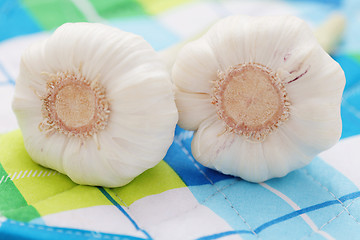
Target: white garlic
[(95, 103), (262, 95)]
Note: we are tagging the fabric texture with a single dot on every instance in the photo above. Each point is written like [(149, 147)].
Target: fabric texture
[(179, 198)]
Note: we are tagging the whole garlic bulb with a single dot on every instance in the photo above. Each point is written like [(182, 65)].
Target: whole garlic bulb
[(95, 103), (262, 95)]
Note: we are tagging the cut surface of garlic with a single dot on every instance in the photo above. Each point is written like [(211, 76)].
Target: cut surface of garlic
[(262, 95), (95, 103)]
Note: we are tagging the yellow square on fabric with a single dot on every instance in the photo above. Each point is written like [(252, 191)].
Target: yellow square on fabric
[(78, 197), (153, 181), (154, 7)]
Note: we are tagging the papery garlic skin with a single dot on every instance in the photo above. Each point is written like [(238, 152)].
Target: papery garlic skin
[(286, 49), (131, 116)]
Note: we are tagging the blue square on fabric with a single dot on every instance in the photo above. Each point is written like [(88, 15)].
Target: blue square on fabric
[(15, 20)]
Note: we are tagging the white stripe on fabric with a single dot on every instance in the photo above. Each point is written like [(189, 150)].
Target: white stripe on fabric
[(165, 217), (343, 157), (40, 173), (24, 174), (13, 176), (88, 10), (304, 216), (9, 176), (17, 175), (104, 218)]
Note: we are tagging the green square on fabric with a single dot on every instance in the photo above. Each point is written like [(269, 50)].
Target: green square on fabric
[(117, 8), (12, 204), (52, 13), (10, 196), (23, 214)]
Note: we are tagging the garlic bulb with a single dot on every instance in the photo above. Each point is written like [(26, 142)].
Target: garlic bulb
[(262, 95), (95, 103)]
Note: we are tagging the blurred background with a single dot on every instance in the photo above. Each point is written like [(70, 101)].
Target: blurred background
[(164, 23)]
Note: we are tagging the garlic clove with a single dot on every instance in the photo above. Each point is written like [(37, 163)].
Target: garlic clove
[(322, 122), (225, 152), (208, 139), (48, 151), (101, 165), (289, 154), (198, 106), (322, 83), (275, 157), (255, 42), (283, 158), (195, 81), (138, 97), (276, 94), (103, 96)]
